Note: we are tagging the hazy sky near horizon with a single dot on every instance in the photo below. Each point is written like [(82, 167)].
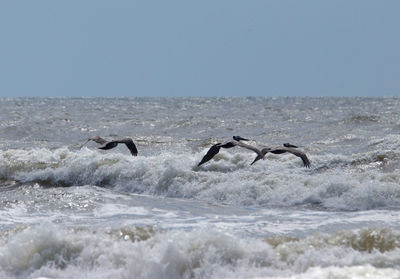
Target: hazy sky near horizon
[(200, 48)]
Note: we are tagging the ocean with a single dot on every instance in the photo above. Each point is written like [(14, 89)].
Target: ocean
[(67, 212)]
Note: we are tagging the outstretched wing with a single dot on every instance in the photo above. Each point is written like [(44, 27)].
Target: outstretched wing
[(260, 153), (131, 146), (127, 141), (210, 153), (298, 153), (249, 147)]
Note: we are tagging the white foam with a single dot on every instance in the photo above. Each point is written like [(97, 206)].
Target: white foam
[(336, 272), (343, 182), (55, 252)]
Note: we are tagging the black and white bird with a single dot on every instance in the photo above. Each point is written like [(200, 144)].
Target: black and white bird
[(105, 144)]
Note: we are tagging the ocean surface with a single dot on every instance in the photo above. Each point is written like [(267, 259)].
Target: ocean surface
[(67, 212)]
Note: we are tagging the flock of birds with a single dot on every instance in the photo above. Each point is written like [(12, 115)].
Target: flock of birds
[(237, 141)]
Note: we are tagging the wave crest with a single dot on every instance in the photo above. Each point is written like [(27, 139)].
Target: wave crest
[(353, 182)]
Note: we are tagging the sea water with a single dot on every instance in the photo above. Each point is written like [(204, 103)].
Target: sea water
[(67, 212)]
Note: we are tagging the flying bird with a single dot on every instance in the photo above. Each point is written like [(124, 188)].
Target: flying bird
[(287, 147), (105, 144), (216, 147), (294, 151), (260, 152)]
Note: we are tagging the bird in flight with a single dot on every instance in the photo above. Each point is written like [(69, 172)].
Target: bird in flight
[(237, 141), (286, 147), (105, 144)]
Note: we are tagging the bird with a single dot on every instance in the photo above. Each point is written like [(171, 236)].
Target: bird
[(105, 144), (294, 151), (260, 152), (216, 147), (287, 147)]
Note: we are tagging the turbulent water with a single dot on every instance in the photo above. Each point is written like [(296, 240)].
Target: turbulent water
[(67, 212)]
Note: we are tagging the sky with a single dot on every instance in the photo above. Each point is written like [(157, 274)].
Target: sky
[(204, 48)]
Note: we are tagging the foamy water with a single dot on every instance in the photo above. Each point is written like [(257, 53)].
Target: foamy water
[(87, 213)]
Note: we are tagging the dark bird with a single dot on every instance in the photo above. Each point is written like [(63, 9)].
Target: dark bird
[(260, 153), (216, 147), (105, 144), (287, 147), (296, 152)]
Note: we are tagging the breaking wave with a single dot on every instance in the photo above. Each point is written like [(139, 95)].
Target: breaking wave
[(134, 252), (338, 182)]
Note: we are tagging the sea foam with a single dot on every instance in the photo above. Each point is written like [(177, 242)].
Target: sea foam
[(51, 251), (343, 182)]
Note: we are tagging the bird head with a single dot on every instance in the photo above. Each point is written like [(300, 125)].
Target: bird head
[(239, 138), (289, 145)]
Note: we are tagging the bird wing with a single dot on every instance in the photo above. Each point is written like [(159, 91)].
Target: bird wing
[(228, 144), (260, 153), (130, 144), (109, 145), (127, 141), (249, 147), (210, 153), (296, 152)]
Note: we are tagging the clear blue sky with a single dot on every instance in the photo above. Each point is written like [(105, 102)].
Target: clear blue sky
[(200, 48)]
